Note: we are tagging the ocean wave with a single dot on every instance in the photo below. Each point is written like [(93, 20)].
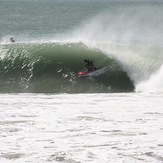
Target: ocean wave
[(52, 68)]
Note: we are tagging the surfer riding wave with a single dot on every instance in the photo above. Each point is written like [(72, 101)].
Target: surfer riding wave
[(90, 68), (89, 65)]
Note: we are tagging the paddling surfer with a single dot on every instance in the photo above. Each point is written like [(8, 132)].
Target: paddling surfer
[(12, 40)]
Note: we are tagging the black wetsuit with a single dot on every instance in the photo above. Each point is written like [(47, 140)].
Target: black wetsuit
[(89, 65)]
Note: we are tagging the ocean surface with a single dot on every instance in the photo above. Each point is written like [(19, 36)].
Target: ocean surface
[(48, 113)]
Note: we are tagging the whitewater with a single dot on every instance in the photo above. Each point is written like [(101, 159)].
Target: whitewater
[(49, 114), (81, 128)]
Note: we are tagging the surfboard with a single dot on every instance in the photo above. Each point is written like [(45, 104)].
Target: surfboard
[(84, 73)]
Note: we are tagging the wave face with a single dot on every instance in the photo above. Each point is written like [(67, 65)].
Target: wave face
[(52, 68), (123, 38)]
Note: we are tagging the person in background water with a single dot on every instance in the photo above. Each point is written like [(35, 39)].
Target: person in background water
[(12, 40), (89, 65)]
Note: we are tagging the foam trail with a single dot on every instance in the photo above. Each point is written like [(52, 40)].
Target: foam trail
[(153, 84)]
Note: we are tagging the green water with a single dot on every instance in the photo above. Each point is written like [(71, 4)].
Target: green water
[(128, 33)]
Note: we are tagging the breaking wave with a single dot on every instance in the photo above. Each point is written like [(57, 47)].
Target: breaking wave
[(52, 68), (125, 45)]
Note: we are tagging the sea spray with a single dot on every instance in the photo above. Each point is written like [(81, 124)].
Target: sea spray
[(153, 84), (130, 37)]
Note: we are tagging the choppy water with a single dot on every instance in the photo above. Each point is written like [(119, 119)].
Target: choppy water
[(81, 128)]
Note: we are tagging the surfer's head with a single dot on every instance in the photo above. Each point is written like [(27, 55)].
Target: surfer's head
[(12, 40)]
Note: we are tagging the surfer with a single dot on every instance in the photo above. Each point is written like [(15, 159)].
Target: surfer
[(89, 65), (12, 40)]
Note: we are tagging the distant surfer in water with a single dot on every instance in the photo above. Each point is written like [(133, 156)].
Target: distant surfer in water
[(12, 40), (89, 65)]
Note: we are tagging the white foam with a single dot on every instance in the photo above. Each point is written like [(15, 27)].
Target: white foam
[(81, 128), (153, 84)]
